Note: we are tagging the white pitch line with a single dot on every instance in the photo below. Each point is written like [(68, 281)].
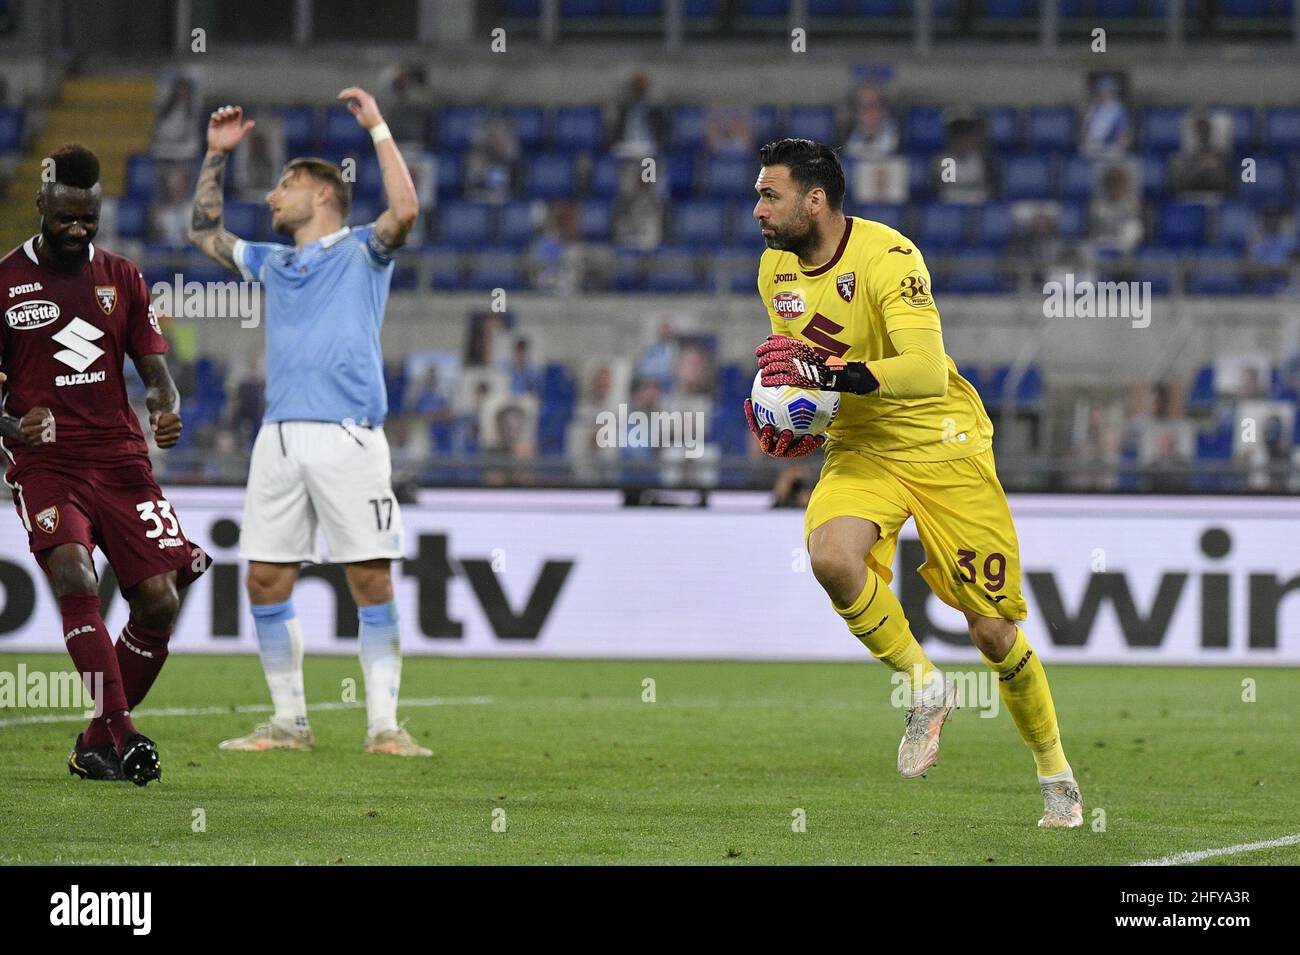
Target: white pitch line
[(248, 708), (1184, 858)]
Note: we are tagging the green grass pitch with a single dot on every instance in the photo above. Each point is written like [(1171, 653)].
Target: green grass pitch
[(712, 772)]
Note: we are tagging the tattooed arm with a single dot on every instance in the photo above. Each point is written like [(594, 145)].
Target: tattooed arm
[(225, 129), (162, 399)]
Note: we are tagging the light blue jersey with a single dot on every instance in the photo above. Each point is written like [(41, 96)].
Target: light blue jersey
[(324, 308)]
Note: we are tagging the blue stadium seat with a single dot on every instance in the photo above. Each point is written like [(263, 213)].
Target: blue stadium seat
[(1074, 219), (604, 176), (1159, 266), (728, 177), (925, 132), (457, 125), (11, 130), (1002, 127), (700, 8), (465, 224), (364, 211), (494, 269), (875, 8), (1155, 176), (448, 172), (766, 8), (974, 272), (132, 218), (241, 218), (1181, 224), (1006, 9), (516, 226), (688, 125), (1051, 129), (1201, 395), (993, 230), (812, 122), (299, 125), (681, 174), (629, 270), (1076, 177), (578, 128), (697, 222), (1235, 223), (1215, 271), (824, 8), (765, 121), (1027, 177), (342, 130), (890, 214), (549, 176), (370, 179), (523, 8), (1162, 128), (638, 8), (920, 178), (743, 228), (139, 176), (582, 8), (1243, 125), (597, 218), (530, 125), (673, 270), (942, 225), (1270, 185)]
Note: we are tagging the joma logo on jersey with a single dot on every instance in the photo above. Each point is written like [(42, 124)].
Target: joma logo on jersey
[(76, 337), (16, 290), (785, 277), (34, 314), (788, 304)]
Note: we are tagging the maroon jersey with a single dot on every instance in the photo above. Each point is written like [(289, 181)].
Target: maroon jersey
[(62, 344)]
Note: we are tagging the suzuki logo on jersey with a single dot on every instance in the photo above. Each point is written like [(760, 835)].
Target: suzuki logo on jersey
[(845, 284), (788, 304), (106, 295), (16, 290), (76, 338), (34, 314)]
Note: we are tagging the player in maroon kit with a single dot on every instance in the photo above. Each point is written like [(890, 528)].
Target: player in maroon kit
[(78, 462)]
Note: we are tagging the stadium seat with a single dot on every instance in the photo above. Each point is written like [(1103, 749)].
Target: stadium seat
[(1181, 224), (1159, 266), (342, 130), (724, 178), (890, 214), (132, 218), (765, 122), (1201, 396), (638, 8), (925, 132), (1235, 221), (629, 270), (766, 8), (688, 124), (1051, 129), (578, 128), (681, 174), (140, 176), (1155, 176), (743, 228), (1076, 178), (1243, 125), (673, 270), (1270, 185), (370, 179), (299, 125), (529, 124), (523, 8), (1074, 220), (597, 218), (942, 225), (241, 218), (549, 176), (993, 228), (975, 272), (1162, 129), (604, 177), (812, 122), (465, 224), (920, 179), (457, 126), (697, 222), (1002, 127), (1027, 177), (1005, 9), (516, 224), (489, 270)]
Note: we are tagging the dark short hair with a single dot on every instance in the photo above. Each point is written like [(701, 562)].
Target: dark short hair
[(811, 164), (330, 174), (75, 166)]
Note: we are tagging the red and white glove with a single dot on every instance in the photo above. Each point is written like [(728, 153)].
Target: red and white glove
[(788, 361), (785, 444)]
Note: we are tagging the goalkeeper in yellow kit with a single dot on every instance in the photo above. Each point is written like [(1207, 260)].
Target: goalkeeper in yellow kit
[(852, 311)]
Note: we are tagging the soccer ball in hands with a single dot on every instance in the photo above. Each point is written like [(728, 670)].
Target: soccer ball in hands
[(799, 410)]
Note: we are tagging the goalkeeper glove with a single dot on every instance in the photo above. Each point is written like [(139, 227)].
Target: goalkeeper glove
[(783, 445), (788, 361)]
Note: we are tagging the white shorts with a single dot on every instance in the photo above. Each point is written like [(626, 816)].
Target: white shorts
[(306, 474)]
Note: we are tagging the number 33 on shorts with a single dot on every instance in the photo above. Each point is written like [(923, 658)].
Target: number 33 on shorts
[(162, 523)]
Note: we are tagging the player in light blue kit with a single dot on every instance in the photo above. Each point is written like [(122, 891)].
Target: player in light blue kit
[(321, 459)]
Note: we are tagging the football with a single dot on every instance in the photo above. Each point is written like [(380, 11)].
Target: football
[(787, 408)]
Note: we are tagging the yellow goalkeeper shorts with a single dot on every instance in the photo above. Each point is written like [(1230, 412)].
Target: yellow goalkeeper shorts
[(972, 557)]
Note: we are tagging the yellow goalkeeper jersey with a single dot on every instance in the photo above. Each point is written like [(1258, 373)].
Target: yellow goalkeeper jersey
[(876, 283)]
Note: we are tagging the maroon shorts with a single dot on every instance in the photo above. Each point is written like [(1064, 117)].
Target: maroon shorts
[(118, 508)]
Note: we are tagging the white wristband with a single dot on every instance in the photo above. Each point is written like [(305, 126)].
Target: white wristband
[(380, 133)]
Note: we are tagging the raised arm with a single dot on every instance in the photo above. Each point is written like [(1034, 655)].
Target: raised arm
[(162, 399), (226, 128), (394, 223)]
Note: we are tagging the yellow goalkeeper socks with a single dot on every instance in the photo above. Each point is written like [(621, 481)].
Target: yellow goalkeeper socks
[(1022, 682), (876, 618)]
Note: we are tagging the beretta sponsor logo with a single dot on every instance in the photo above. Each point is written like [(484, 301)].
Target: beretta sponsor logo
[(33, 314)]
